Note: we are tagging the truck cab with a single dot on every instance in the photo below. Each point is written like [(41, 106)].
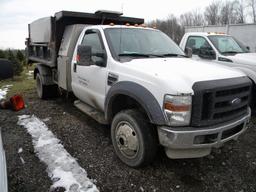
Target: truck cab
[(137, 80)]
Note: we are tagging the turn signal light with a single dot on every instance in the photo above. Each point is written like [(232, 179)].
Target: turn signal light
[(176, 108)]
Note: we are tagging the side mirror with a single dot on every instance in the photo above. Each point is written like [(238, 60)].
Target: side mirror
[(84, 55), (207, 53), (188, 52), (99, 58), (248, 48)]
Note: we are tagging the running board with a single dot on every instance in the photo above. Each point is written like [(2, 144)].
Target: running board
[(87, 109)]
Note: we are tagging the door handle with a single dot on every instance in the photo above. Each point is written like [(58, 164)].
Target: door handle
[(74, 67)]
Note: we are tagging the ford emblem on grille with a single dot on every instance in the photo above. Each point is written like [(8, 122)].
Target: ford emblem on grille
[(235, 101)]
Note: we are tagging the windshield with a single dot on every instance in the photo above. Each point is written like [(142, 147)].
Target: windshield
[(227, 44), (139, 43)]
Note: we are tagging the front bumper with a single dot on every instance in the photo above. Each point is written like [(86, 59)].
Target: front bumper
[(192, 142)]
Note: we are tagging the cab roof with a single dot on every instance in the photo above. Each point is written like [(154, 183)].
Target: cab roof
[(126, 27), (206, 33)]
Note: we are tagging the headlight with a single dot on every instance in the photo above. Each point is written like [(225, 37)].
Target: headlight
[(178, 109)]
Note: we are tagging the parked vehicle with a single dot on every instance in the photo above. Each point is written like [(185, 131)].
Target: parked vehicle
[(3, 172), (244, 32), (222, 49), (6, 69), (139, 81)]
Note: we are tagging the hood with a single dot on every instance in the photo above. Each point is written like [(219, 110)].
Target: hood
[(244, 58), (186, 68), (180, 73)]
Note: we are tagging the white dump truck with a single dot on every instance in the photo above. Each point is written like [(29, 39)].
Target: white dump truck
[(140, 82)]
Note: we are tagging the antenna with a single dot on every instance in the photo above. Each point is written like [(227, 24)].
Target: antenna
[(121, 31), (122, 7), (120, 41)]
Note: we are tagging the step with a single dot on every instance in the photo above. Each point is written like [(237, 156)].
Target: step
[(92, 112)]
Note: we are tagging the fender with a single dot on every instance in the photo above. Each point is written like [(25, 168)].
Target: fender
[(45, 72), (138, 93), (250, 73)]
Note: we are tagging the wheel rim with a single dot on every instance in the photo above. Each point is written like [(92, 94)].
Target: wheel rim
[(127, 140)]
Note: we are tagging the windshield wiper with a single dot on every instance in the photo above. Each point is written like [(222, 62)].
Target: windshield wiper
[(151, 55), (173, 55), (231, 52), (134, 54)]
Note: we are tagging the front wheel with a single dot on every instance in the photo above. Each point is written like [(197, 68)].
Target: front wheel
[(133, 138)]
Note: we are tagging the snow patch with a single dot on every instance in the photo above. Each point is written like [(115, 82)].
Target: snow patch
[(20, 150), (3, 91), (30, 74), (62, 168), (46, 119), (22, 160)]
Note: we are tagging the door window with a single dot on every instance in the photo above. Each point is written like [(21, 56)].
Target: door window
[(92, 39), (196, 43)]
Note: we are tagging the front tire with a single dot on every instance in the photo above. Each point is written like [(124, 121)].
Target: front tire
[(133, 138)]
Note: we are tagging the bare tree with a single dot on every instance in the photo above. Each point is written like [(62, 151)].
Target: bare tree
[(186, 19), (227, 13), (240, 11), (173, 29), (198, 18), (252, 5), (170, 26), (212, 13), (192, 18)]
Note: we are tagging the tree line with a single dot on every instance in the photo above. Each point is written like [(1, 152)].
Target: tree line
[(16, 57), (216, 13)]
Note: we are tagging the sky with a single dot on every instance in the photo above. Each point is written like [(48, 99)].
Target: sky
[(15, 15)]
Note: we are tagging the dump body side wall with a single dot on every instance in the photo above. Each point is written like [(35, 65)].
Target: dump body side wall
[(41, 42), (45, 35), (41, 30), (65, 55)]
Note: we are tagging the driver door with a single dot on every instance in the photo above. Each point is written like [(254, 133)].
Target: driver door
[(89, 82)]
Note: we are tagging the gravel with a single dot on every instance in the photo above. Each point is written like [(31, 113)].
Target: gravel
[(231, 168)]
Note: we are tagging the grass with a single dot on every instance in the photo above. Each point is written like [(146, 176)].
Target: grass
[(21, 84)]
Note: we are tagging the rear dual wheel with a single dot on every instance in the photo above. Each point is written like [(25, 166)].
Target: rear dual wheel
[(45, 91)]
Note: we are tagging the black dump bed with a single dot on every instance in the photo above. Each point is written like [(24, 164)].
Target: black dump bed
[(45, 34)]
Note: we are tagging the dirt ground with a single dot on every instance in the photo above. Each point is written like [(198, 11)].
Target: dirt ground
[(231, 168)]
